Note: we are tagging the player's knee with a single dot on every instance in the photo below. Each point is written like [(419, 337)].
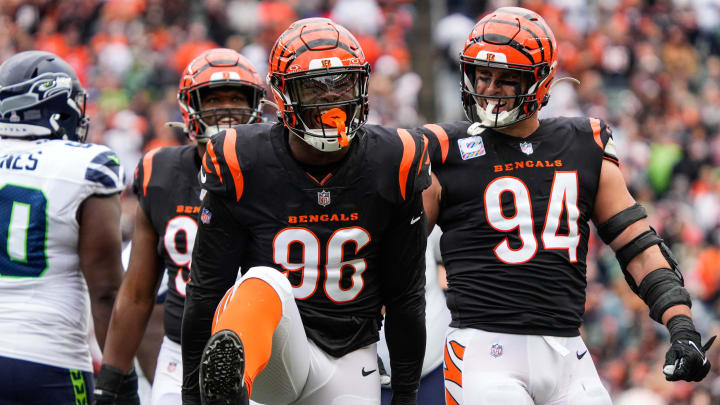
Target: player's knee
[(273, 277), (588, 392)]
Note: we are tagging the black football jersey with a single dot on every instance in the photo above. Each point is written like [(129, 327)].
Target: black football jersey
[(168, 191), (514, 214), (349, 243)]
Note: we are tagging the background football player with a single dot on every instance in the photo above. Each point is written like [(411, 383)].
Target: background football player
[(324, 217), (513, 195), (218, 89), (60, 215)]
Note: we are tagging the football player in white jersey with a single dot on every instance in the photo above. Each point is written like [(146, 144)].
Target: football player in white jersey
[(60, 239)]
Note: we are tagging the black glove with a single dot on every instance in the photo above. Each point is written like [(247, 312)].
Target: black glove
[(404, 398), (685, 360), (113, 387)]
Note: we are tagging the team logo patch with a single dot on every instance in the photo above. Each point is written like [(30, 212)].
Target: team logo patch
[(324, 198), (526, 148), (205, 216), (471, 147), (496, 350)]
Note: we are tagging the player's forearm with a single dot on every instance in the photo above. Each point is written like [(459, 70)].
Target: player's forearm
[(405, 335), (196, 328), (127, 328), (101, 303)]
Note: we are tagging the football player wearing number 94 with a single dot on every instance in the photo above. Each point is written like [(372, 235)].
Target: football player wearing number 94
[(513, 196), (59, 233), (324, 218)]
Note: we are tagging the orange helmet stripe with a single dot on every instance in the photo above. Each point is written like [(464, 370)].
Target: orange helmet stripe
[(407, 158), (231, 159)]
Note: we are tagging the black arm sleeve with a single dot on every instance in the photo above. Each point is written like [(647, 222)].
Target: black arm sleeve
[(216, 258), (403, 259)]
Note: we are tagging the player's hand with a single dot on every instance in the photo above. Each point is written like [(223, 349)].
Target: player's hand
[(685, 360), (112, 387)]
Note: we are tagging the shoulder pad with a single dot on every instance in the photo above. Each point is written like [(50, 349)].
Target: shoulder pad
[(440, 136), (405, 152), (104, 171), (221, 171), (603, 138)]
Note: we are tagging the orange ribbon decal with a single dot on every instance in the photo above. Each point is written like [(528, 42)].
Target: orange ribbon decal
[(336, 118)]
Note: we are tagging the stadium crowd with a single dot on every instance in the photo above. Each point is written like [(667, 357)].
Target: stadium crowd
[(649, 68)]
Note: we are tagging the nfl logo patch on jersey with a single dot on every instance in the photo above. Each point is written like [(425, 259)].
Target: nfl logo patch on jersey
[(324, 198), (471, 147), (205, 216), (526, 148), (496, 350)]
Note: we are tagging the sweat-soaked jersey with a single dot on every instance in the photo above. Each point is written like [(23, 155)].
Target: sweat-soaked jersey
[(349, 243), (168, 191), (514, 214)]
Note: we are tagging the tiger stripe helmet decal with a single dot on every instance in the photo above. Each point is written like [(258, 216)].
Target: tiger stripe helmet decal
[(516, 39)]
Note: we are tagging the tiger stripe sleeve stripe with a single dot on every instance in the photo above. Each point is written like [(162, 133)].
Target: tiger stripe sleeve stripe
[(147, 168), (213, 159), (230, 153), (442, 138), (407, 159)]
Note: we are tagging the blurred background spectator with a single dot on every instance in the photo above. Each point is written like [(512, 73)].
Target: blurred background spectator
[(650, 68)]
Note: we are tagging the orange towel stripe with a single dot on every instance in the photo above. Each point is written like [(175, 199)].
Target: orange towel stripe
[(442, 137), (407, 158), (232, 161), (595, 125), (147, 168), (213, 158)]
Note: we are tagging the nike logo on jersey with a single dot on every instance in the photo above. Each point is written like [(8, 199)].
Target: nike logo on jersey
[(367, 373), (413, 220), (580, 355), (203, 177)]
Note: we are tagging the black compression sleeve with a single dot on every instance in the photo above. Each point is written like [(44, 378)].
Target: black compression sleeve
[(215, 261), (404, 295)]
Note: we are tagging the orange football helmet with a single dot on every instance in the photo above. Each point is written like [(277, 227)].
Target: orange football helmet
[(218, 68), (511, 38), (319, 78)]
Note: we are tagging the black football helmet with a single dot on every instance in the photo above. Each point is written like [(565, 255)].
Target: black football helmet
[(41, 97)]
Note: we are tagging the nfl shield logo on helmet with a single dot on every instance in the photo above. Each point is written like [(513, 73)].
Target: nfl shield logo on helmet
[(324, 198), (496, 350), (526, 148)]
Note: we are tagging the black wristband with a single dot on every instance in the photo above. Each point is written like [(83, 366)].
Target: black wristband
[(110, 379), (682, 327)]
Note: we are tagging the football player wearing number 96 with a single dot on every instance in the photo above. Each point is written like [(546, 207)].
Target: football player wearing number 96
[(323, 216), (513, 195), (59, 233), (218, 89)]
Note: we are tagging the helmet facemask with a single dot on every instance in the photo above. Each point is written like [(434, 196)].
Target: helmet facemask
[(205, 122), (488, 110), (326, 108)]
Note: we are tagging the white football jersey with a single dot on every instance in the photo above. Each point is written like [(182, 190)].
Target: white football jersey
[(44, 302)]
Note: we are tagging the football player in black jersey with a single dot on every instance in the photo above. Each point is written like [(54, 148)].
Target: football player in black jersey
[(218, 89), (513, 195), (323, 216)]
